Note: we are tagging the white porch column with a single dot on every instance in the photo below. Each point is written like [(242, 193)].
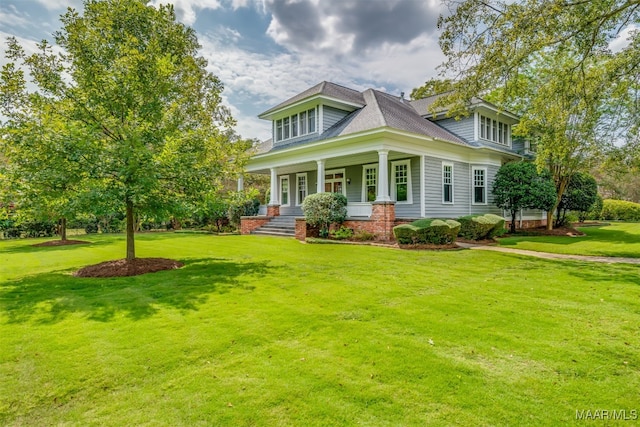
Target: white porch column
[(383, 177), (240, 183), (273, 200), (320, 186)]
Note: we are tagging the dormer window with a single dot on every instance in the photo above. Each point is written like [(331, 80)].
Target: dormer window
[(296, 125), (495, 131)]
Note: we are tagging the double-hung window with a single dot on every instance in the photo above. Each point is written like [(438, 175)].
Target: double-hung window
[(284, 190), (301, 179), (401, 188), (369, 182), (479, 185), (447, 183)]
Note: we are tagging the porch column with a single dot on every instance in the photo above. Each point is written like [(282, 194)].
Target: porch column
[(320, 186), (240, 183), (383, 177), (273, 199)]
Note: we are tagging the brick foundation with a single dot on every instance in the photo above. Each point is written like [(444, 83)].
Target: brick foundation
[(273, 210), (527, 223), (383, 216), (301, 229), (250, 223)]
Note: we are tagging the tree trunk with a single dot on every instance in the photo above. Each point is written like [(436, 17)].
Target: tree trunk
[(63, 228), (561, 186), (131, 249), (513, 222)]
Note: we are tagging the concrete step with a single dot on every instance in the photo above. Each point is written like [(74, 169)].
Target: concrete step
[(278, 226), (272, 233)]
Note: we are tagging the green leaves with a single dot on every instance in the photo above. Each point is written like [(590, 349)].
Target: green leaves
[(142, 113)]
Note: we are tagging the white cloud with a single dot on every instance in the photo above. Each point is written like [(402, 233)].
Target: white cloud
[(623, 39), (15, 17), (186, 10), (60, 4)]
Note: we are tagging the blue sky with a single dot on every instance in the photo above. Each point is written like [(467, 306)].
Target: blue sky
[(265, 51)]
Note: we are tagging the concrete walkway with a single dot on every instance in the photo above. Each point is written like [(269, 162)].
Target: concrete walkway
[(547, 255)]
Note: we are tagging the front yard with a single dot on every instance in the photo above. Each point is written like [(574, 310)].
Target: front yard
[(615, 239), (268, 331)]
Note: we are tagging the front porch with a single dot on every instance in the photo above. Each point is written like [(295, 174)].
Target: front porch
[(378, 184)]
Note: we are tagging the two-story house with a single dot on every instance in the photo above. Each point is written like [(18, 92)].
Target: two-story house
[(391, 157)]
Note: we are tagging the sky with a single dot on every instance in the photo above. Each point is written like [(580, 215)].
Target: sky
[(265, 51)]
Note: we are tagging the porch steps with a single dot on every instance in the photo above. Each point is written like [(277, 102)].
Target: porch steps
[(283, 225)]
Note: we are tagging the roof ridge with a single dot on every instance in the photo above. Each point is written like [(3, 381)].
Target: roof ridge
[(378, 108)]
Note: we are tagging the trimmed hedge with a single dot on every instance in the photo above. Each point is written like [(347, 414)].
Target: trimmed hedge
[(431, 231), (620, 210), (478, 227)]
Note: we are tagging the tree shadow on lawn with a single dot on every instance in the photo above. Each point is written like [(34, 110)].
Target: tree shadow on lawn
[(28, 248), (624, 273), (50, 298)]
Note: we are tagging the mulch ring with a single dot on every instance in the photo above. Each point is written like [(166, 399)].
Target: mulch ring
[(61, 243), (122, 267)]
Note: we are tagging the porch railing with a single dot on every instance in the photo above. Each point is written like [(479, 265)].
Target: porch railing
[(355, 209)]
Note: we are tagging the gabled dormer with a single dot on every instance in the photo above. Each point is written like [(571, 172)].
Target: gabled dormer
[(486, 125), (310, 113)]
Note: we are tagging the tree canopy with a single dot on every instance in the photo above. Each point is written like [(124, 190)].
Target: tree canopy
[(518, 185), (552, 62), (153, 129)]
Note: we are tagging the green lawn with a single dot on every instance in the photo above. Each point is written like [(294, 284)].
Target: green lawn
[(616, 240), (268, 331)]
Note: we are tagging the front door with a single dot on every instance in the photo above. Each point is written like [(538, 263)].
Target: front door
[(334, 181)]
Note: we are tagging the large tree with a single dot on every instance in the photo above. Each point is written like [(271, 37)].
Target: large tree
[(518, 185), (130, 74), (550, 61)]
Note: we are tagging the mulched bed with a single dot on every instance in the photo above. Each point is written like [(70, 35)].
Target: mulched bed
[(431, 247), (542, 231), (61, 243), (122, 267)]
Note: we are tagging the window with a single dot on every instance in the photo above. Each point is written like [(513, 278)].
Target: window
[(287, 130), (311, 114), (494, 131), (302, 188), (284, 191), (303, 123), (401, 188), (447, 183), (296, 125), (369, 183), (479, 186)]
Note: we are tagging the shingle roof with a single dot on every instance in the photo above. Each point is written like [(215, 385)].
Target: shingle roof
[(382, 110), (325, 88)]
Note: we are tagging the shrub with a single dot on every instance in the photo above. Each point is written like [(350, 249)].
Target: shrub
[(454, 228), (596, 210), (428, 231), (342, 233), (478, 227), (91, 228), (621, 210), (323, 209), (498, 227), (363, 236), (406, 234), (242, 204)]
